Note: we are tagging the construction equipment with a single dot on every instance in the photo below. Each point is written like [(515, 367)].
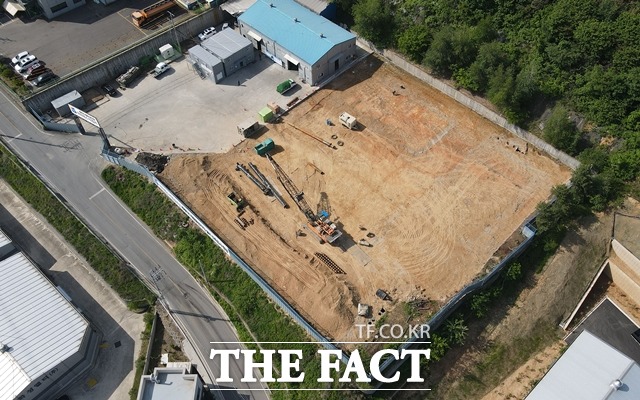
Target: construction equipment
[(269, 186), (236, 200), (328, 144), (320, 225), (151, 13), (125, 79), (264, 147), (258, 183), (348, 120)]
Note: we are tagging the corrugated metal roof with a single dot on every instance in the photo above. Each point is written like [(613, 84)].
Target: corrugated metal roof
[(236, 7), (225, 43), (203, 55), (40, 327), (295, 28), (317, 6), (586, 371), (4, 240)]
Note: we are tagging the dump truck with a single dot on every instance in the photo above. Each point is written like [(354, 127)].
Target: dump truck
[(151, 13), (348, 120), (285, 86), (125, 79), (160, 69)]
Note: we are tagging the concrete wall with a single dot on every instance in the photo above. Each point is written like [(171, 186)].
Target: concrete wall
[(110, 67), (475, 106), (626, 256), (624, 279)]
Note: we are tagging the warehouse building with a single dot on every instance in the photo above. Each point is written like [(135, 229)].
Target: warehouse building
[(45, 343), (590, 369), (222, 54), (297, 39)]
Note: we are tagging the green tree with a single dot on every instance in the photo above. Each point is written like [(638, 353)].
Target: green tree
[(456, 330), (374, 20), (560, 131), (414, 41), (439, 347)]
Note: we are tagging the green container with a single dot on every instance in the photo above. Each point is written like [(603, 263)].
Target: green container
[(265, 115), (265, 147)]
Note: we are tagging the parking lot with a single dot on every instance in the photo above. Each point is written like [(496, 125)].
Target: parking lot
[(194, 114), (79, 37)]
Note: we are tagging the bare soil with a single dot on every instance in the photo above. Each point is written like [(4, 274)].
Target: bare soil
[(440, 188)]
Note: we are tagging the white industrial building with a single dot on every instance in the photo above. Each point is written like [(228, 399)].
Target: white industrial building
[(175, 381), (590, 370), (296, 38), (45, 342)]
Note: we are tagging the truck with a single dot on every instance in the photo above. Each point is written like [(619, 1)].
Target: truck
[(125, 79), (160, 69), (348, 120), (151, 13), (285, 86)]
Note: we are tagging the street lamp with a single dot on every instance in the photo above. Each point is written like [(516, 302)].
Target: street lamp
[(173, 27)]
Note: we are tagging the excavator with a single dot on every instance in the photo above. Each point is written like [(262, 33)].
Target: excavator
[(319, 224)]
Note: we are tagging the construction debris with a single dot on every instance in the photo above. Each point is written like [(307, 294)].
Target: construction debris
[(363, 310), (383, 295), (153, 162), (329, 263)]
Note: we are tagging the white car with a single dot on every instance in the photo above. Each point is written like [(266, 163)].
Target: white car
[(15, 60), (21, 68), (207, 33)]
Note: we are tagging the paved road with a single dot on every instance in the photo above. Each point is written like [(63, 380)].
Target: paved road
[(71, 165)]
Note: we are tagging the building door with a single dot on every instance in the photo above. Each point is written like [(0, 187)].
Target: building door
[(336, 64)]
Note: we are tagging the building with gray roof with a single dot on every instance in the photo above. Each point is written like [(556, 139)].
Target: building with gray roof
[(45, 342), (234, 50), (590, 369), (176, 381)]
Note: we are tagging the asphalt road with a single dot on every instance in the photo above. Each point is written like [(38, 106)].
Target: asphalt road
[(70, 163)]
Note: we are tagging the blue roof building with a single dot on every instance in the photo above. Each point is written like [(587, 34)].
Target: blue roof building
[(297, 39)]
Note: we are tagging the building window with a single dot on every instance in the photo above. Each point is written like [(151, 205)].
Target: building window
[(77, 1), (59, 7)]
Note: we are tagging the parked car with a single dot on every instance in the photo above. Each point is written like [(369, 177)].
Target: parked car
[(108, 89), (19, 57), (36, 73), (21, 68), (44, 78), (34, 67), (207, 33)]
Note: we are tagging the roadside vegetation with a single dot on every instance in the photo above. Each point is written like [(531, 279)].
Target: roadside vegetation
[(10, 78), (254, 315), (113, 270)]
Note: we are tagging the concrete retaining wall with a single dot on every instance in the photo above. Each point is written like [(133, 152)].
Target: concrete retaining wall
[(625, 280), (626, 256), (108, 68), (472, 104)]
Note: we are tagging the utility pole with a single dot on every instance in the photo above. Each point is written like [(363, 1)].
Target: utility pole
[(173, 27)]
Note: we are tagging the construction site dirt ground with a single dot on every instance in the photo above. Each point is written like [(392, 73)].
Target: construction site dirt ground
[(432, 187)]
